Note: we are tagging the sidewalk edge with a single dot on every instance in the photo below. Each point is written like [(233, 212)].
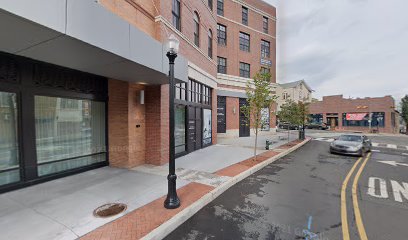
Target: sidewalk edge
[(166, 228)]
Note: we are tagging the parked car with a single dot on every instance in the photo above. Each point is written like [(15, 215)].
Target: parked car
[(286, 125), (351, 144), (317, 125)]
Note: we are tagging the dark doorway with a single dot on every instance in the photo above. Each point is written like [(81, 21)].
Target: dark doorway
[(194, 128), (221, 115), (244, 130)]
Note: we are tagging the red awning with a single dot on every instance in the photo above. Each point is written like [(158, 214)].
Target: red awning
[(356, 116)]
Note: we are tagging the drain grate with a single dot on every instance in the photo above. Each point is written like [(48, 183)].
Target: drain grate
[(109, 210)]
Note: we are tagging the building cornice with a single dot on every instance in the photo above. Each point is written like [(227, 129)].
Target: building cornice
[(245, 26), (211, 80), (163, 20), (255, 9)]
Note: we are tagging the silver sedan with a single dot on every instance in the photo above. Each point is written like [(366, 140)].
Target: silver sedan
[(351, 144)]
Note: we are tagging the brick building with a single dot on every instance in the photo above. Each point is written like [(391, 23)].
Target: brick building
[(361, 114), (84, 83), (246, 34)]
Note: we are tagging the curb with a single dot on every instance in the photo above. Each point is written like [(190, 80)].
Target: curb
[(166, 228)]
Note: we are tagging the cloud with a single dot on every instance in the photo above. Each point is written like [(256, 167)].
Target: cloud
[(357, 47)]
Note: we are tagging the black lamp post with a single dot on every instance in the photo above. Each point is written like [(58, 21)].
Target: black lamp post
[(172, 201)]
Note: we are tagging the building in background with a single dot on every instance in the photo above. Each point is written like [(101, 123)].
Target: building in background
[(85, 83), (298, 91), (361, 114), (246, 39)]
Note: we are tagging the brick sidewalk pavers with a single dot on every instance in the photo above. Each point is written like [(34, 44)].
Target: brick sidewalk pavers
[(142, 221)]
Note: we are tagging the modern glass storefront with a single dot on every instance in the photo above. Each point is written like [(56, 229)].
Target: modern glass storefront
[(193, 123), (9, 154), (52, 121)]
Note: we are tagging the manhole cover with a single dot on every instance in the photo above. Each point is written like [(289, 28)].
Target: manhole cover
[(109, 210)]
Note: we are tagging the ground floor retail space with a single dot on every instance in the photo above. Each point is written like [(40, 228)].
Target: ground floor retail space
[(232, 122), (56, 121)]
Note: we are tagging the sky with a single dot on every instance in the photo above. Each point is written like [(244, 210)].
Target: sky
[(358, 48)]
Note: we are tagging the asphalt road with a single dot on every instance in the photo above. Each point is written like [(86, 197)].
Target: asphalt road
[(299, 197)]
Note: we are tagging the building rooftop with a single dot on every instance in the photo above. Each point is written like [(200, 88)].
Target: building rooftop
[(295, 84)]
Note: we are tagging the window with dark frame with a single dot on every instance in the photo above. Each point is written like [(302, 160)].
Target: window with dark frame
[(244, 15), (220, 7), (244, 41), (210, 42), (244, 70), (265, 25), (210, 4), (222, 65), (196, 29), (265, 49), (222, 35), (181, 91), (176, 14), (198, 93)]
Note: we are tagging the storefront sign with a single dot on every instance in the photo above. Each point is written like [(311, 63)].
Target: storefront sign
[(356, 116), (266, 62)]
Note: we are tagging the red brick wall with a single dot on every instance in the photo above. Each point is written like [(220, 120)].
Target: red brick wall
[(157, 126), (232, 118), (233, 11), (338, 104), (126, 141), (208, 21)]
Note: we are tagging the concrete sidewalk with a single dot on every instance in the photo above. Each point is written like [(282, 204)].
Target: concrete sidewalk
[(63, 208)]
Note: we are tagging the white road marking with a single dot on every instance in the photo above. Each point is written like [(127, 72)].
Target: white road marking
[(398, 190), (330, 140), (375, 144), (406, 147), (383, 187), (375, 150), (406, 154), (394, 163), (320, 139), (392, 146)]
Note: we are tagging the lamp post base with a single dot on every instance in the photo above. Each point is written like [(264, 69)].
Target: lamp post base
[(172, 201)]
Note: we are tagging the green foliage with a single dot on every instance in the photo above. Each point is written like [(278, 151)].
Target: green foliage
[(294, 113), (404, 108), (259, 96)]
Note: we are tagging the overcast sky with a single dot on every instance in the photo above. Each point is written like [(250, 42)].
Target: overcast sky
[(358, 48)]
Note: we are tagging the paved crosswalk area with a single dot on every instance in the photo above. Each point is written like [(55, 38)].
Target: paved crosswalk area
[(378, 145)]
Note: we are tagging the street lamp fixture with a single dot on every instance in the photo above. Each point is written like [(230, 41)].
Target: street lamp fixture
[(172, 201)]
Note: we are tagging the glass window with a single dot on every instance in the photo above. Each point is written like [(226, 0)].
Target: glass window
[(244, 70), (244, 15), (222, 65), (244, 41), (265, 126), (199, 93), (210, 40), (70, 133), (180, 129), (176, 14), (265, 49), (265, 25), (362, 119), (210, 4), (220, 7), (207, 126), (9, 155), (222, 35), (181, 91), (196, 29)]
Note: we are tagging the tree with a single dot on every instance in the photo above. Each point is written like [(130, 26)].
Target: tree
[(294, 113), (259, 97), (404, 110)]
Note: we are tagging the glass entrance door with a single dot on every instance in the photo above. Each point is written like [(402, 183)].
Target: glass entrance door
[(9, 149)]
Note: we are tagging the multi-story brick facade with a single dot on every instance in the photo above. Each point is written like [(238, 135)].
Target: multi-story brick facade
[(94, 81), (246, 45), (361, 114)]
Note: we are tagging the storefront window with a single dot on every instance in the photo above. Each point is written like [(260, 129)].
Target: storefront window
[(180, 129), (207, 123), (70, 133), (316, 118), (9, 157), (361, 119)]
